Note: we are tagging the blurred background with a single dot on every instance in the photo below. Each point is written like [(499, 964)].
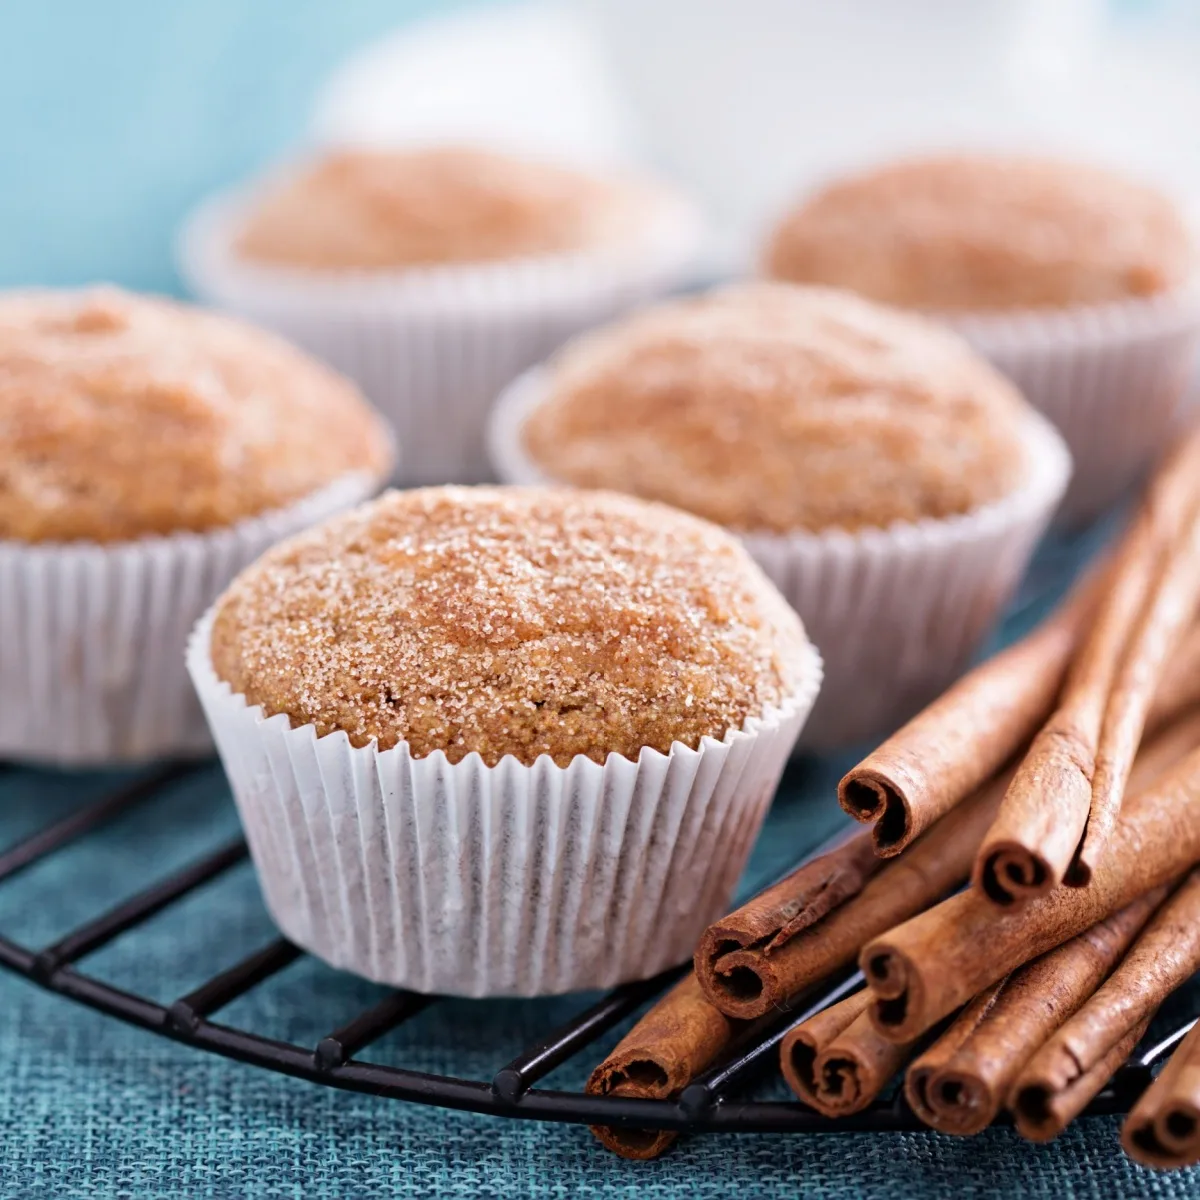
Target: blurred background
[(119, 116)]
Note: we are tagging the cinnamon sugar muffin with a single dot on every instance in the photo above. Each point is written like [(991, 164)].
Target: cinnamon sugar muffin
[(888, 480), (124, 417), (433, 276), (147, 451), (378, 210), (1077, 282), (977, 233), (774, 409), (569, 699), (510, 622)]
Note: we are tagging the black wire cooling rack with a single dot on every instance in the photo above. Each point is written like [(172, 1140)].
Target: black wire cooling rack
[(714, 1102)]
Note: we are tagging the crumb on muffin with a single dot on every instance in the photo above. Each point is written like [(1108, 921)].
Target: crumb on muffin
[(985, 232), (364, 210), (773, 408), (511, 621), (126, 416)]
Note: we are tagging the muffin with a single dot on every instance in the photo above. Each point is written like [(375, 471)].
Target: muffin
[(148, 451), (379, 211), (1078, 283), (531, 734), (886, 478), (435, 275)]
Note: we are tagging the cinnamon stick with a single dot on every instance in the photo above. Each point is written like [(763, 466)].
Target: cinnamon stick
[(836, 1062), (749, 981), (1060, 810), (1044, 1115), (1040, 824), (677, 1039), (1179, 689), (960, 1084), (803, 898), (1168, 612), (926, 968), (953, 747), (1165, 957), (1163, 1130)]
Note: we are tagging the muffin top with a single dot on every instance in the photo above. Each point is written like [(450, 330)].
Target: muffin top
[(774, 408), (982, 233), (374, 210), (522, 621), (123, 416)]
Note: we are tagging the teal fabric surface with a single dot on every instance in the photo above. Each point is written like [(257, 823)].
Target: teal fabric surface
[(91, 1108)]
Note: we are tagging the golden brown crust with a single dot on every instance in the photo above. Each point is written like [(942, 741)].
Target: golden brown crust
[(768, 407), (511, 621), (373, 210), (124, 416), (979, 233)]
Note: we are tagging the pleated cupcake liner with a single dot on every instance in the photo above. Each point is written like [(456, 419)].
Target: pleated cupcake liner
[(896, 612), (433, 346), (92, 637), (1112, 378), (470, 880)]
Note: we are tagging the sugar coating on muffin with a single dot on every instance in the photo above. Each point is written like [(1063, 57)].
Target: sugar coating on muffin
[(511, 621), (127, 416), (986, 232), (364, 210), (773, 408)]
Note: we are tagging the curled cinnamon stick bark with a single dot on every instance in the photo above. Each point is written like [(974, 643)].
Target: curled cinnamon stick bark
[(1042, 1116), (1040, 824), (1179, 689), (1165, 957), (836, 1062), (1168, 612), (926, 968), (749, 981), (1060, 810), (962, 1081), (1163, 1130), (803, 898), (677, 1039), (953, 747)]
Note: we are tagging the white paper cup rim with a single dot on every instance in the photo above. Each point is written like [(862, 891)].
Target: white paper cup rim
[(347, 489), (95, 632), (1049, 470), (1081, 326), (670, 237), (200, 666)]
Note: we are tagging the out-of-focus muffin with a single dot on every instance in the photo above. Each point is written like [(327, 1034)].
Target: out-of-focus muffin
[(1078, 282), (126, 417), (433, 276), (774, 409), (576, 701), (887, 479), (387, 210), (147, 451), (978, 234)]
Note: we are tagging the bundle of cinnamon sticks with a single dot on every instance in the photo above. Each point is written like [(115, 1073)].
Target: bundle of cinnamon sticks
[(1060, 782)]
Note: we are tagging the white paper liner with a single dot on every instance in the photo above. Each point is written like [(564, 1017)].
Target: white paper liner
[(472, 880), (896, 613), (92, 636), (432, 347), (1111, 377)]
